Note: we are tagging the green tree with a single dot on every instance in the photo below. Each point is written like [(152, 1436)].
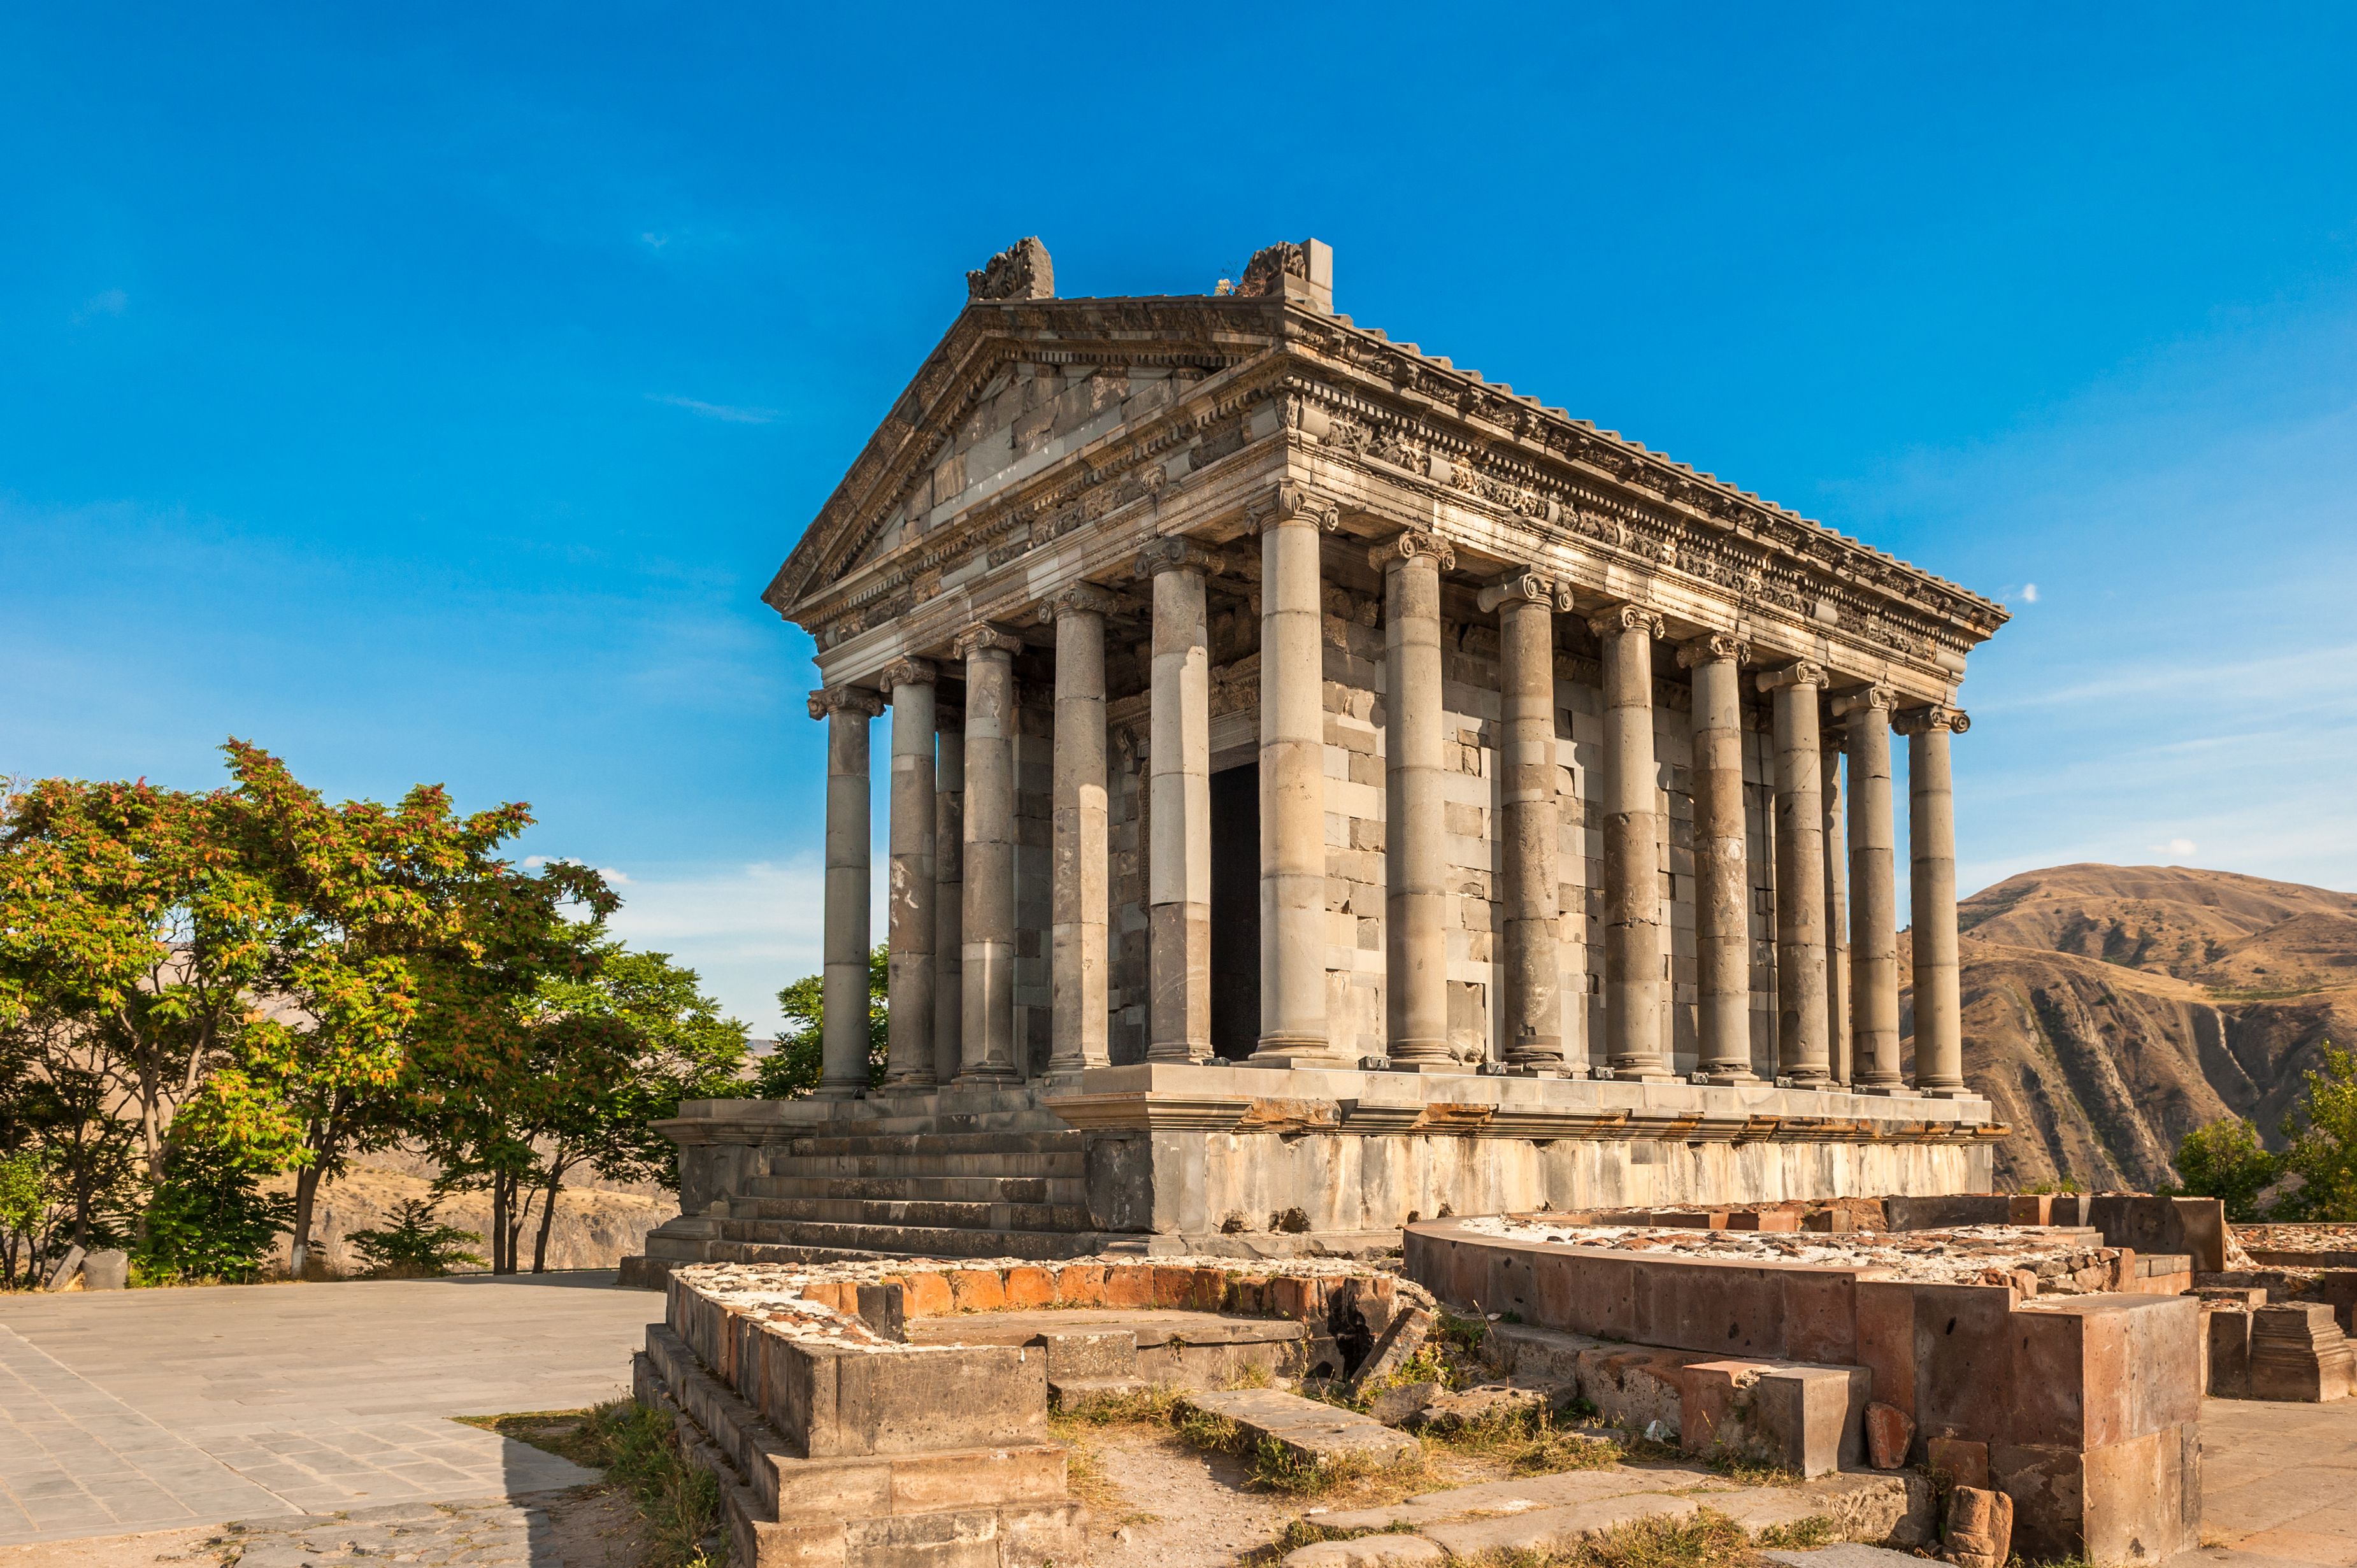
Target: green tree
[(403, 959), (611, 1050), (2225, 1160), (417, 1244), (209, 1219), (791, 1068), (131, 937), (2322, 1144)]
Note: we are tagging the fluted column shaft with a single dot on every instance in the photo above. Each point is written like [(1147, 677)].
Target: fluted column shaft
[(911, 921), (1874, 894), (843, 980), (1416, 894), (1932, 842), (1634, 1012), (1178, 806), (1804, 1052), (1834, 799), (1079, 897), (1529, 934), (949, 899), (1722, 865), (988, 1036), (1291, 524)]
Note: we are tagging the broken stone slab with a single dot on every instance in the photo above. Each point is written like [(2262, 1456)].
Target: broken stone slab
[(68, 1267), (1400, 1404), (1367, 1551), (1559, 1529), (1890, 1433), (1563, 1489), (107, 1270), (1846, 1554), (1072, 1394), (1397, 1344), (1311, 1432), (1980, 1528), (1454, 1412)]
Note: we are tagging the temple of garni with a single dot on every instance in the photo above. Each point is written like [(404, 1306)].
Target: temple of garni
[(1328, 790)]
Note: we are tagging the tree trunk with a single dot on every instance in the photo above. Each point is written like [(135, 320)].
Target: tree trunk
[(298, 1242), (547, 1218), (500, 1264)]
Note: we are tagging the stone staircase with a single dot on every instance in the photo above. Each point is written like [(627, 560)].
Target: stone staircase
[(944, 1175)]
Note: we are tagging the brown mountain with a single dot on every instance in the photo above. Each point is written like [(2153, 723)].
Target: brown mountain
[(2111, 1009)]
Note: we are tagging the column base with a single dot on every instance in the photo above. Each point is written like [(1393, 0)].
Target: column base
[(839, 1091), (1882, 1090), (1960, 1091), (1180, 1051), (1732, 1079), (1792, 1080), (1394, 1064), (909, 1086), (1634, 1074), (990, 1077), (1295, 1050), (1555, 1070)]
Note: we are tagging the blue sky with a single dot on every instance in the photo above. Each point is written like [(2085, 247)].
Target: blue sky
[(429, 395)]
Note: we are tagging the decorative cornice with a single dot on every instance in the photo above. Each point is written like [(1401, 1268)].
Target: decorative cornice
[(1932, 717), (1289, 503), (1800, 673), (1175, 554), (909, 672), (1081, 598), (830, 700), (1409, 543), (1524, 587), (1716, 648), (1615, 618), (984, 637)]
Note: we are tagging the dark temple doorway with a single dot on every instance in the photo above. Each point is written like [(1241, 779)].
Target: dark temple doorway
[(1235, 911)]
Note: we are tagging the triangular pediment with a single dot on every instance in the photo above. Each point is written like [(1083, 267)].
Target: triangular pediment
[(1014, 389)]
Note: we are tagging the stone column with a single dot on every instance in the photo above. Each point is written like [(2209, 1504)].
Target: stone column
[(1077, 952), (1530, 947), (843, 982), (1178, 806), (1874, 894), (1931, 840), (949, 898), (1416, 892), (911, 921), (1633, 984), (1835, 834), (1722, 863), (1803, 1051), (987, 1035), (1292, 522)]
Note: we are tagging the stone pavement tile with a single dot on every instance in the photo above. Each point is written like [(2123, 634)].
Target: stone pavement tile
[(1846, 1554)]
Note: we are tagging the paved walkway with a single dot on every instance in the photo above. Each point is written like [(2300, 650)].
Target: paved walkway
[(149, 1410), (2278, 1483)]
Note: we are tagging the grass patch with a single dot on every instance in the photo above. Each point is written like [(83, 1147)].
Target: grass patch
[(1300, 1533), (1800, 1535), (1527, 1442), (639, 1449), (1702, 1539)]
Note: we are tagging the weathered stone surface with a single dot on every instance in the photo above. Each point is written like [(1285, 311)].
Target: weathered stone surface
[(1311, 1431), (1890, 1433), (1979, 1528), (2297, 1352), (106, 1270), (1447, 1410), (1367, 1551)]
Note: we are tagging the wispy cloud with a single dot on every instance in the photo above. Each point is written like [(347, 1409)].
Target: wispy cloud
[(653, 242), (107, 302), (722, 410), (746, 930)]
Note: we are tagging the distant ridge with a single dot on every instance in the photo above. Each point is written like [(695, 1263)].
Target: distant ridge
[(2110, 1009)]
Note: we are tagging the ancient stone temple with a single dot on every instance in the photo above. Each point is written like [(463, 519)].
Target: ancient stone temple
[(1329, 789)]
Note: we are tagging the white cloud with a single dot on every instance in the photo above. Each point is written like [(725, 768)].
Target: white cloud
[(107, 302), (654, 242), (719, 411), (746, 930), (2029, 593), (613, 877), (2181, 848)]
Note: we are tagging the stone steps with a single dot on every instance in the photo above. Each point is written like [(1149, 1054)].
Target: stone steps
[(929, 1188), (934, 1144), (1308, 1430), (921, 1213), (1069, 1165), (1081, 1393), (792, 1240)]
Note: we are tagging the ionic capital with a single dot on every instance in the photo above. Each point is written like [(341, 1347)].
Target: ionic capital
[(1174, 554), (1932, 717), (1409, 543), (1613, 619), (1291, 502), (1800, 673), (984, 637), (1865, 700), (1718, 647), (1081, 598), (909, 672), (830, 700), (1525, 588)]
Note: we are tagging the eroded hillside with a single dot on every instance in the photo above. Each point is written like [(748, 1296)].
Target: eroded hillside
[(2110, 1009)]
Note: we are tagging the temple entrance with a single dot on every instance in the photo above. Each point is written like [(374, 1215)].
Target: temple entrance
[(1235, 911)]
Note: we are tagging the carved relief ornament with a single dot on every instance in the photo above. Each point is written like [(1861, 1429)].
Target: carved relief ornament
[(1081, 598), (1613, 619), (984, 637), (1932, 717), (1800, 673), (1408, 544), (909, 672), (1525, 588), (1175, 554), (830, 700), (1290, 502), (1718, 647), (1866, 699)]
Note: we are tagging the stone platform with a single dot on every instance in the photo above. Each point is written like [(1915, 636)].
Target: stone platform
[(1256, 1161)]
